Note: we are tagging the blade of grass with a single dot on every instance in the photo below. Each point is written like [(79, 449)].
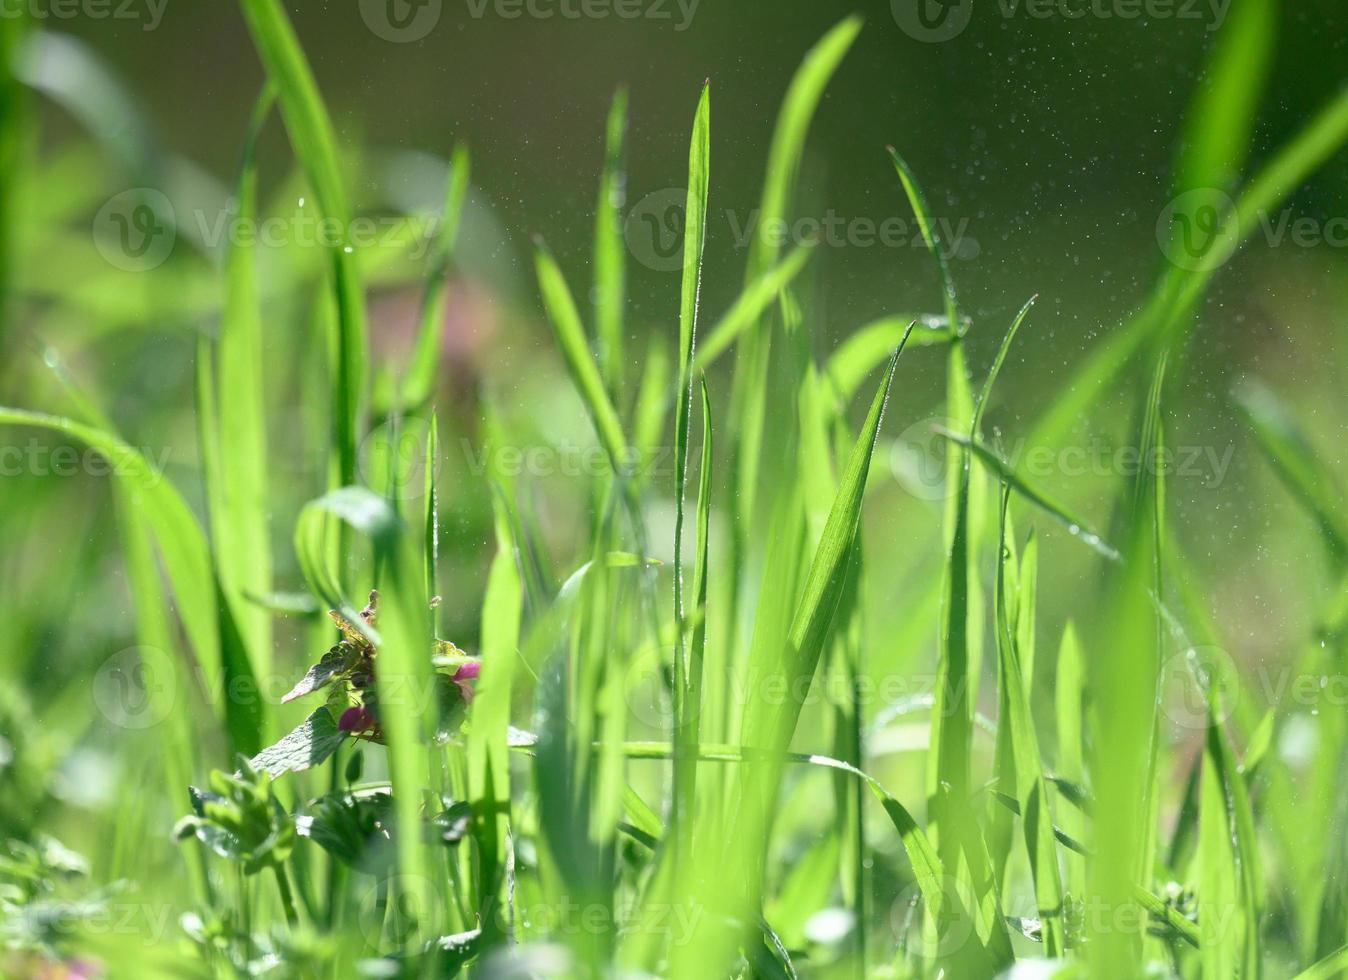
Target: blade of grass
[(570, 334), (695, 230), (239, 532), (419, 381), (488, 755), (315, 146), (609, 251)]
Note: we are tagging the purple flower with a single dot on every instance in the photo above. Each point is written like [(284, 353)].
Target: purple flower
[(465, 676), (357, 721)]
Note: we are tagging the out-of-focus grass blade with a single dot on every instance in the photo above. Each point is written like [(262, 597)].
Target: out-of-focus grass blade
[(1026, 768), (1216, 139), (751, 305), (1296, 464), (1217, 866), (239, 514), (1329, 968), (70, 72), (431, 540), (245, 713), (1169, 306), (315, 146), (570, 333), (695, 232), (176, 532), (15, 141), (749, 395), (609, 250), (420, 379), (488, 754), (1069, 693)]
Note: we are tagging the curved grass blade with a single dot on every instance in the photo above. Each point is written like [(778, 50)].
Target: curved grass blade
[(487, 744), (870, 346), (695, 231)]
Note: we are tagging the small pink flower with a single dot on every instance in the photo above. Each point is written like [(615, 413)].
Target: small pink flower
[(465, 676), (357, 721)]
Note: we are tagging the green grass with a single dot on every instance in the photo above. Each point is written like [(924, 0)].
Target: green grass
[(637, 728)]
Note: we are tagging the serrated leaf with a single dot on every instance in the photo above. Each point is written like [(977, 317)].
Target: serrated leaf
[(335, 662), (309, 745)]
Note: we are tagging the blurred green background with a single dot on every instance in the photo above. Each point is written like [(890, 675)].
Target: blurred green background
[(1048, 142)]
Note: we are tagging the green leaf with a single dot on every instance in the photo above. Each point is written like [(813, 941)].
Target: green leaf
[(336, 662), (310, 744)]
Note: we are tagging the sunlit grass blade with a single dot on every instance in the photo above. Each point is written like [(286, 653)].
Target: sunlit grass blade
[(1069, 697), (610, 253), (1026, 768), (238, 484), (315, 146), (695, 231), (488, 756)]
